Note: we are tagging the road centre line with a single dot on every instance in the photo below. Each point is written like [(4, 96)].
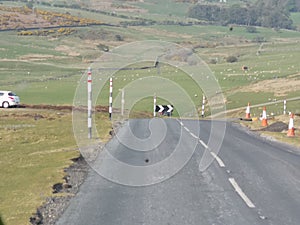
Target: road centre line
[(219, 160), (193, 135), (202, 143), (241, 193), (187, 129), (232, 181)]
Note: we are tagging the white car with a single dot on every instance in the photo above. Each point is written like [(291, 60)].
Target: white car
[(8, 99)]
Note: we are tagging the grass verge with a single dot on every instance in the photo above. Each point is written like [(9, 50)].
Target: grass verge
[(35, 147)]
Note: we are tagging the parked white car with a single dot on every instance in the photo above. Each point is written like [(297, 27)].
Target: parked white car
[(8, 99)]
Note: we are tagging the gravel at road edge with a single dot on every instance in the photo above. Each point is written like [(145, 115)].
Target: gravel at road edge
[(54, 206)]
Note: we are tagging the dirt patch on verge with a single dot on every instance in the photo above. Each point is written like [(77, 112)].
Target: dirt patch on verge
[(280, 86), (63, 107), (276, 127)]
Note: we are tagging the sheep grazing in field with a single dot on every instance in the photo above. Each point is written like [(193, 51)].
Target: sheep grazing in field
[(245, 68)]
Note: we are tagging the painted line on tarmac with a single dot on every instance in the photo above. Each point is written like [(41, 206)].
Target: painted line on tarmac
[(202, 143), (219, 160), (232, 181), (187, 129), (241, 193), (193, 135)]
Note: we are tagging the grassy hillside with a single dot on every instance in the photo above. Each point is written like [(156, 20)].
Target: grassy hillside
[(46, 69)]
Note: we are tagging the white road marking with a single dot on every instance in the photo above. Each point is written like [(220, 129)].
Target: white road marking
[(220, 162), (202, 143), (241, 193), (193, 135), (187, 129)]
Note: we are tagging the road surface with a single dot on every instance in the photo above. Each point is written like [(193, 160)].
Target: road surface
[(252, 181)]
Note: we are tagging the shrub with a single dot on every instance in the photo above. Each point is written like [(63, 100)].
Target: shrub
[(231, 59), (213, 61), (259, 39), (251, 29)]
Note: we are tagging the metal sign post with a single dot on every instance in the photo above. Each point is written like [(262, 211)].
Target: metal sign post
[(89, 87)]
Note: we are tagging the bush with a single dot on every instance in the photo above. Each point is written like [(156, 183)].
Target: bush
[(231, 59), (251, 29), (119, 37), (213, 61), (259, 39)]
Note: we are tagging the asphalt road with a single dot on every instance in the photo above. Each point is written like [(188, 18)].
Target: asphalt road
[(252, 181)]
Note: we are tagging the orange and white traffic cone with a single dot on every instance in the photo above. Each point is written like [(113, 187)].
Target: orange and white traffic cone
[(291, 131), (248, 112), (264, 121)]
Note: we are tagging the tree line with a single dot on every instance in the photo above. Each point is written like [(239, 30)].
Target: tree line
[(265, 13)]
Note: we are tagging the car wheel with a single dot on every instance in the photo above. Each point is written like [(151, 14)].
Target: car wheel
[(5, 104)]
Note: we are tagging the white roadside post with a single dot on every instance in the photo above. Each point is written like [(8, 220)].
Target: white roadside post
[(110, 96), (284, 107), (89, 87), (122, 101), (203, 106), (154, 105)]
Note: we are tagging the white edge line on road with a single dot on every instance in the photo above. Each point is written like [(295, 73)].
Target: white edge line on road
[(220, 162), (241, 193), (187, 129)]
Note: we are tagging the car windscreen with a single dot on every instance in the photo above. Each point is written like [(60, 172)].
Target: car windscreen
[(11, 94)]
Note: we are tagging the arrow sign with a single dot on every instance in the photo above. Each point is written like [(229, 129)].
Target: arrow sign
[(159, 108), (170, 108), (164, 108)]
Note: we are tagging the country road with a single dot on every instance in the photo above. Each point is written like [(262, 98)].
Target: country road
[(252, 181)]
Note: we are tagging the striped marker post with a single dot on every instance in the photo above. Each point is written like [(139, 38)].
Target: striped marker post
[(154, 105), (203, 106), (122, 101), (248, 116), (284, 107), (89, 87), (110, 97)]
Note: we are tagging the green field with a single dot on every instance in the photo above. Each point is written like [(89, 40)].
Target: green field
[(33, 155), (48, 70)]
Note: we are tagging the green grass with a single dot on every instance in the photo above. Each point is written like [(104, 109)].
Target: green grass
[(33, 155), (168, 73), (160, 8), (278, 58)]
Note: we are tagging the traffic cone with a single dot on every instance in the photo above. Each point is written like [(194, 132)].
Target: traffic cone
[(264, 122), (248, 111), (291, 131)]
